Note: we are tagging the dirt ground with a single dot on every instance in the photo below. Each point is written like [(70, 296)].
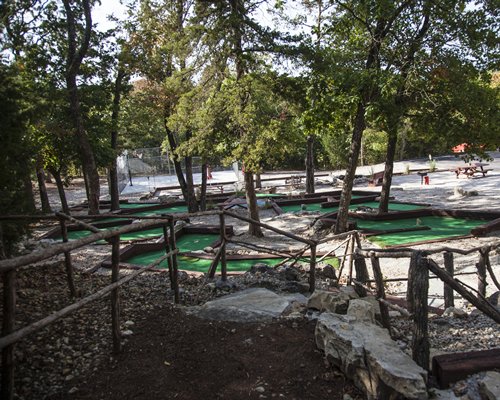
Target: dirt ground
[(173, 356)]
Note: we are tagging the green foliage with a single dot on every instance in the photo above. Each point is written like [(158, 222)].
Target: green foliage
[(15, 149)]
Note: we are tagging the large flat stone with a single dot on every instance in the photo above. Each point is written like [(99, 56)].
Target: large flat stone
[(367, 354), (250, 305)]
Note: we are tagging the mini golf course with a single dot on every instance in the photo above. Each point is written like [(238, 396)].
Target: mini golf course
[(75, 232), (440, 228)]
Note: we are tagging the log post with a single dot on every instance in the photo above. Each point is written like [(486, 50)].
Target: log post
[(115, 295), (173, 246), (449, 300), (409, 284), (351, 259), (377, 274), (223, 263), (67, 260), (342, 263), (169, 260), (490, 270), (420, 340), (312, 269), (481, 274), (458, 287), (8, 325), (361, 274)]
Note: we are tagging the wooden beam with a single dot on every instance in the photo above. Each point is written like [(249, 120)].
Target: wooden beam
[(420, 332), (449, 300), (479, 303), (449, 368), (8, 326), (115, 295), (271, 228), (35, 326), (11, 263), (377, 274), (312, 269), (223, 264), (67, 261), (173, 256)]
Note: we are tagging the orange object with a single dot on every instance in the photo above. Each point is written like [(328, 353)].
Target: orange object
[(426, 180)]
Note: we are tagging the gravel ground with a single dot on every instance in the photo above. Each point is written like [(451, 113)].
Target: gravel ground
[(59, 357)]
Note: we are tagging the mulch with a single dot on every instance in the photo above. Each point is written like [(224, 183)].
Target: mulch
[(175, 356)]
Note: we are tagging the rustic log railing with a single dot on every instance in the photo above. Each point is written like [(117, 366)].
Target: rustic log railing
[(418, 285), (355, 258), (8, 268)]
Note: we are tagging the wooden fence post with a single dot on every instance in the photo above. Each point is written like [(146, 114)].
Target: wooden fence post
[(312, 269), (420, 292), (449, 300), (409, 284), (351, 259), (361, 274), (115, 295), (8, 325), (169, 259), (223, 263), (481, 274), (174, 259), (67, 259), (377, 274)]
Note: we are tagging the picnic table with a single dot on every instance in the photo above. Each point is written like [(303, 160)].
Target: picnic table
[(470, 170)]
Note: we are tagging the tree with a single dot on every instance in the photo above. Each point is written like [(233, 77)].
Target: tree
[(15, 149), (77, 47), (436, 35), (161, 48), (233, 39)]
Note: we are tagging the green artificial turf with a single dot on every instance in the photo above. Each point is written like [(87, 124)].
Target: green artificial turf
[(166, 210), (372, 204), (441, 228), (198, 264), (202, 265), (137, 205)]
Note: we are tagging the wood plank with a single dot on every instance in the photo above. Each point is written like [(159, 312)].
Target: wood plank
[(448, 368)]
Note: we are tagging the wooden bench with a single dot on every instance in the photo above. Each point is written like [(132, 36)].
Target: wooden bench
[(376, 179), (469, 172), (294, 181)]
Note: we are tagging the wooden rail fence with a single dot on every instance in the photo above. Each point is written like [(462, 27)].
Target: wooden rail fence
[(353, 261)]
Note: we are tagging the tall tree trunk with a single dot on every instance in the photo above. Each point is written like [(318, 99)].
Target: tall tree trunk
[(60, 190), (203, 191), (29, 197), (258, 181), (253, 210), (345, 197), (186, 183), (76, 53), (383, 206), (310, 165), (191, 196), (238, 16), (400, 107), (40, 176), (368, 92), (113, 173)]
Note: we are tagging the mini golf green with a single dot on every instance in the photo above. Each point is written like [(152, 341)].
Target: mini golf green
[(137, 205), (441, 228), (202, 264), (166, 210), (372, 204), (146, 234)]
